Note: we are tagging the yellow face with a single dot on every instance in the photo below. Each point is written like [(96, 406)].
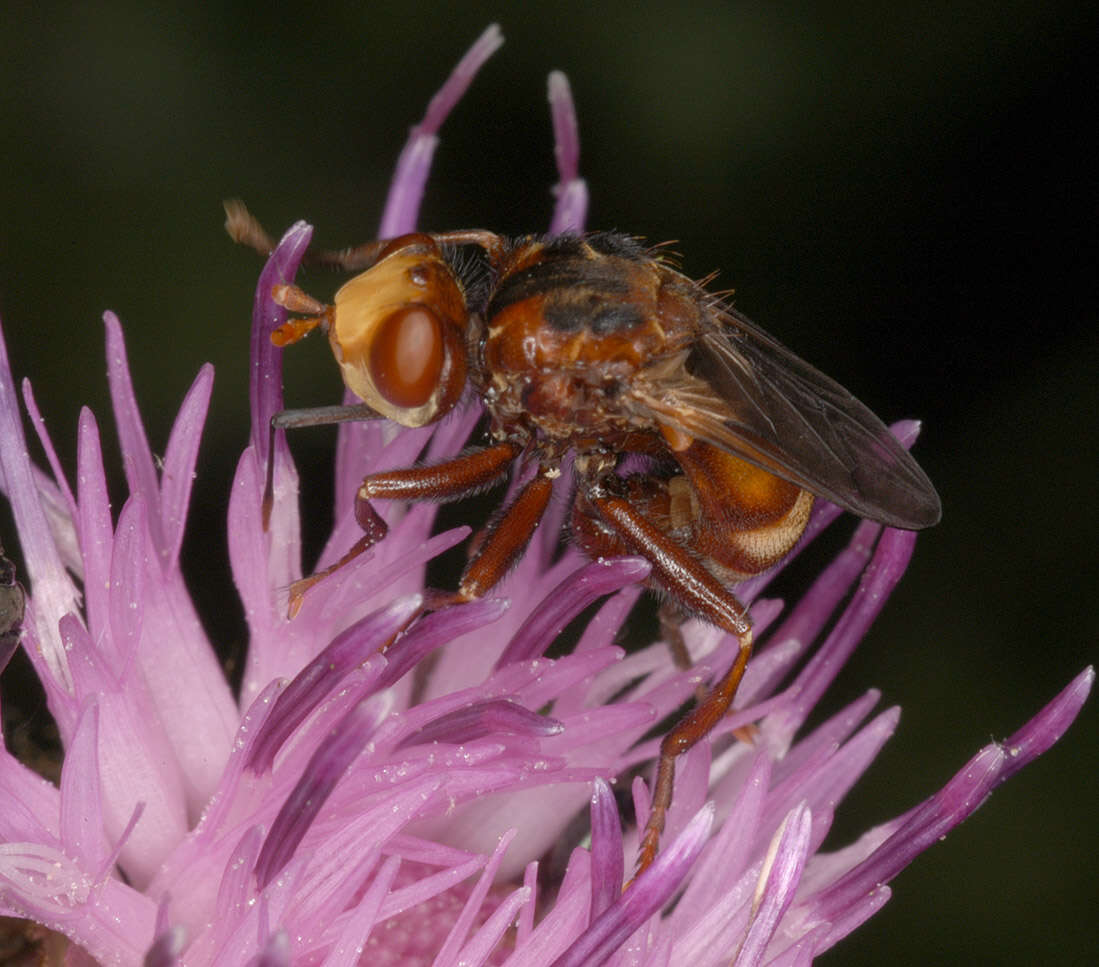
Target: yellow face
[(397, 334)]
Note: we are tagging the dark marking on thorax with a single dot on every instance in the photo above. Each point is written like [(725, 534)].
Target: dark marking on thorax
[(577, 284)]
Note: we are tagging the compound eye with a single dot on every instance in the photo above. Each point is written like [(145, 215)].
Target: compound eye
[(407, 356)]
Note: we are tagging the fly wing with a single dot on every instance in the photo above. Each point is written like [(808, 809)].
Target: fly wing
[(742, 391)]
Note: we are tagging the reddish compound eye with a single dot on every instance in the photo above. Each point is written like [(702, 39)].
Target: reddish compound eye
[(406, 356)]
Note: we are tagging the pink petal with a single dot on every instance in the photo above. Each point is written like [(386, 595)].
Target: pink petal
[(82, 830), (137, 458), (402, 207), (180, 458), (608, 861), (644, 897), (571, 190)]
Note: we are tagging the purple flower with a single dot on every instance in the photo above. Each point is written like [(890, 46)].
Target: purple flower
[(359, 802)]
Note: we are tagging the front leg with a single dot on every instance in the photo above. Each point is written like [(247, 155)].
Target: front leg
[(451, 480), (463, 476)]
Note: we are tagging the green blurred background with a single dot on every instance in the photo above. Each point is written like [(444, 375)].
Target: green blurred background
[(902, 193)]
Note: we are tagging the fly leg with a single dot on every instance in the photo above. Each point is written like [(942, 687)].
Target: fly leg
[(693, 586), (671, 631), (501, 545), (506, 538), (450, 480)]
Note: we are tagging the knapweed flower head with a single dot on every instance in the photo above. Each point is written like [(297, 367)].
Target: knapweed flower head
[(387, 793)]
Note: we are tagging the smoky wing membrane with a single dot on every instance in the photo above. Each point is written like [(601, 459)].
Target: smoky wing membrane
[(739, 389)]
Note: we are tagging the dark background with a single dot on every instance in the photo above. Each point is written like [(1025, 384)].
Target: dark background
[(903, 196)]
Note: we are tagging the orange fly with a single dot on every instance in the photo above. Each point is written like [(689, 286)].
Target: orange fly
[(599, 348)]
